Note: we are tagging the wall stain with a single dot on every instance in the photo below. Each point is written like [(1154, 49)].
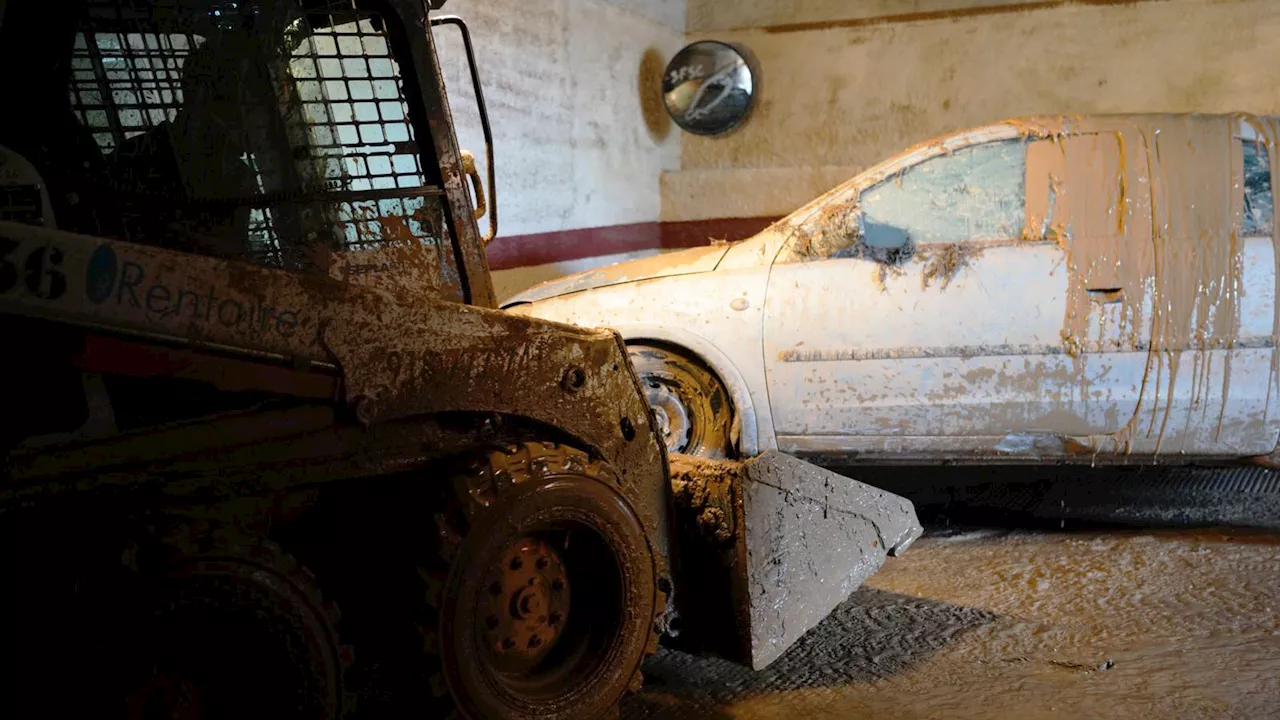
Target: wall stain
[(649, 88)]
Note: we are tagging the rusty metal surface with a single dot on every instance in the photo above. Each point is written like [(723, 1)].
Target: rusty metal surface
[(449, 358), (467, 243), (399, 355), (107, 355)]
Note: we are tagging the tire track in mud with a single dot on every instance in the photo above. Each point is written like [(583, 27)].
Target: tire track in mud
[(871, 636), (1018, 624), (1140, 611)]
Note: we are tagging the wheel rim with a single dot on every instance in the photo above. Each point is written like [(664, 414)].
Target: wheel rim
[(690, 404), (566, 654), (674, 423), (528, 604)]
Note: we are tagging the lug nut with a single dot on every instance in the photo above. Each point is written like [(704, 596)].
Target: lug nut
[(535, 641), (516, 564)]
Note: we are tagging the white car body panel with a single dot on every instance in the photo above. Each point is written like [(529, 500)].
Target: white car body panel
[(1211, 412), (683, 262), (1131, 325), (705, 323), (848, 358)]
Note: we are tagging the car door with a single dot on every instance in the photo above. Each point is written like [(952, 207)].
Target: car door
[(917, 325), (936, 325), (1212, 283), (1090, 194)]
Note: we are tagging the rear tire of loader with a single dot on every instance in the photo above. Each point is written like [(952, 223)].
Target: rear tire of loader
[(542, 597), (233, 630)]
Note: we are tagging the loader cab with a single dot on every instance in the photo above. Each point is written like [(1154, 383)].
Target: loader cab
[(312, 136)]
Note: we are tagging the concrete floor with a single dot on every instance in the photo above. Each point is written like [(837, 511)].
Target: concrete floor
[(1022, 624)]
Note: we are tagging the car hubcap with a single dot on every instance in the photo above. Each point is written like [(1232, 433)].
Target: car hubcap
[(672, 415)]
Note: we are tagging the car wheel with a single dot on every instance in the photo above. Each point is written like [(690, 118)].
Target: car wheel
[(694, 415)]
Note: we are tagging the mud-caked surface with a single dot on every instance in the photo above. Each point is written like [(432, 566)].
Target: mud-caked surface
[(1021, 624)]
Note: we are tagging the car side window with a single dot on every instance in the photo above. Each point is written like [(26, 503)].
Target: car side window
[(1258, 203), (975, 193)]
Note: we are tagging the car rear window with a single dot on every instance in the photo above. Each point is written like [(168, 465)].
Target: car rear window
[(1258, 204)]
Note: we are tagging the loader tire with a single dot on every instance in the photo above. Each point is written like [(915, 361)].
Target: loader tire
[(541, 592), (228, 629)]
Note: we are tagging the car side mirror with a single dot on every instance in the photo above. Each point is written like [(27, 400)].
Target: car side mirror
[(882, 236), (841, 235)]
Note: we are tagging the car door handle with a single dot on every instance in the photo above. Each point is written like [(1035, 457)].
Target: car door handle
[(1106, 296)]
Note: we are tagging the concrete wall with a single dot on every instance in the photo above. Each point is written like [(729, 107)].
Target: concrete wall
[(845, 86), (707, 15), (580, 136)]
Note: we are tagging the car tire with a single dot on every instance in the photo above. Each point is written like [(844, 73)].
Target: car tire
[(694, 415)]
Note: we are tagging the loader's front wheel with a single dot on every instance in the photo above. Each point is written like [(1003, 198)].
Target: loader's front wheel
[(547, 608)]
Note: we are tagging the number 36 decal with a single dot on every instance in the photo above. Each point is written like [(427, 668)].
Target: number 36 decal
[(39, 271)]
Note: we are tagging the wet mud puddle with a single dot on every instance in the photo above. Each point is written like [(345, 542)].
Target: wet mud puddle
[(1015, 624)]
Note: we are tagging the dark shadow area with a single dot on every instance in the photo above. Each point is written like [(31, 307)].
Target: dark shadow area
[(1071, 497), (649, 88), (872, 635)]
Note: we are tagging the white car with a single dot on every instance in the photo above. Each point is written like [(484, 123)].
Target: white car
[(1097, 289)]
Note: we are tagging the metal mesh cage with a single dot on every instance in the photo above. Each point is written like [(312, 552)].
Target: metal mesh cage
[(126, 83), (267, 131)]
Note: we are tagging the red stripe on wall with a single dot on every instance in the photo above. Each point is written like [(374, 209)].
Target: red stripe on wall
[(516, 251), (695, 233)]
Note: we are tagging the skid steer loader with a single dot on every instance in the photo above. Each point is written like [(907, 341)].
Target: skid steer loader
[(268, 449)]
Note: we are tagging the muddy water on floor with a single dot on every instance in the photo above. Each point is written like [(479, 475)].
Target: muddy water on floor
[(1177, 624)]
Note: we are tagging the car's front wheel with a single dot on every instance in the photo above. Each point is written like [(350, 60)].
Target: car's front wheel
[(692, 406)]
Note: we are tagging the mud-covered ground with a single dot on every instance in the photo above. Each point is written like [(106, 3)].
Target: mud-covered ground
[(1023, 619)]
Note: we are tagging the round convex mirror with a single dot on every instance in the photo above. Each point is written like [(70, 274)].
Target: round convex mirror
[(708, 88)]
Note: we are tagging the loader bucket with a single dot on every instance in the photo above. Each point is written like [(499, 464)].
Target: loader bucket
[(789, 540)]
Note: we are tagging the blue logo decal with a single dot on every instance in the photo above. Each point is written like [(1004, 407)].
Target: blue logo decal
[(100, 276)]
